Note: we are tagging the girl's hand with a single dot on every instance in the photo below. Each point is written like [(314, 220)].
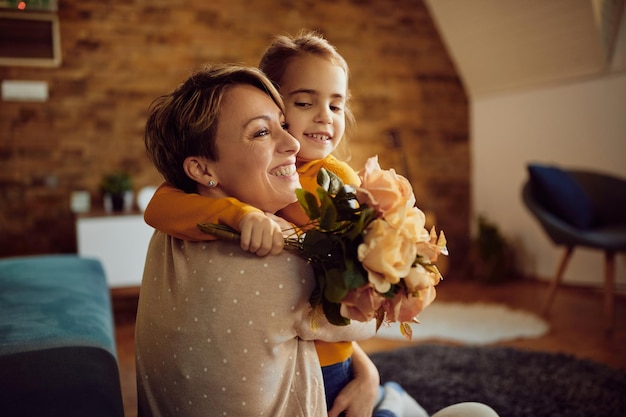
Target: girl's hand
[(261, 234), (358, 397)]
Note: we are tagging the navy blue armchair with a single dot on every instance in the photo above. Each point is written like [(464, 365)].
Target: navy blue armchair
[(579, 208)]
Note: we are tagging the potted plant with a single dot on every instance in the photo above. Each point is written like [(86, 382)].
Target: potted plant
[(117, 188), (491, 257)]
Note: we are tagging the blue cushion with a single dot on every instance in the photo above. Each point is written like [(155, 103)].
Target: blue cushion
[(562, 195), (54, 301)]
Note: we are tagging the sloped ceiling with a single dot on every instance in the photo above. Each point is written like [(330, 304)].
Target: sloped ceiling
[(503, 45)]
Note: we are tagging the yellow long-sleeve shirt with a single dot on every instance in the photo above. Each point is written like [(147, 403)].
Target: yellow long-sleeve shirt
[(177, 213)]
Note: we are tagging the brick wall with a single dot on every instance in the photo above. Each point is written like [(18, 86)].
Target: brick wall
[(118, 56)]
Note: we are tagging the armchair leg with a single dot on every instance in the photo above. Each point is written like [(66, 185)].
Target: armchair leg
[(609, 287), (556, 281)]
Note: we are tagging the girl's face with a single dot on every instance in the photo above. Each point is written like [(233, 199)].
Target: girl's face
[(257, 155), (314, 90)]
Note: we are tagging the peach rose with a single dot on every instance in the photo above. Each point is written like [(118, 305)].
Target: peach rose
[(413, 225), (405, 307), (386, 253), (361, 303), (420, 278), (383, 190), (432, 247)]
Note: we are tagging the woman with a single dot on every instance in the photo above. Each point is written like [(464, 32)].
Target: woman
[(220, 331)]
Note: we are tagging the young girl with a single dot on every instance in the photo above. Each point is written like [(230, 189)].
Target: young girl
[(312, 78)]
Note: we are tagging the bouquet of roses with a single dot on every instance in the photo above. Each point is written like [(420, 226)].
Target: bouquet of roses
[(371, 255)]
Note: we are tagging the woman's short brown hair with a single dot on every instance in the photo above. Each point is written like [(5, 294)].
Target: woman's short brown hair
[(183, 123)]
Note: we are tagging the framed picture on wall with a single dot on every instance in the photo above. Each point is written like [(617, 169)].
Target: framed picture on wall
[(29, 39)]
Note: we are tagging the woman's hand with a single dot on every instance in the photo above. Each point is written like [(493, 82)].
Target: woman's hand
[(357, 398), (261, 234)]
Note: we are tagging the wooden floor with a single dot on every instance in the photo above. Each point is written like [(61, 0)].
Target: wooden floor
[(577, 324)]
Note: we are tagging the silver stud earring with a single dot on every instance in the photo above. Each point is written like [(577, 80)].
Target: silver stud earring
[(211, 183)]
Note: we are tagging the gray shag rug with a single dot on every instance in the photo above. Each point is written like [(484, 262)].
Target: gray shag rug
[(514, 382)]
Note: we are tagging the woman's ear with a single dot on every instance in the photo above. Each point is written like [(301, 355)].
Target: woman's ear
[(199, 169)]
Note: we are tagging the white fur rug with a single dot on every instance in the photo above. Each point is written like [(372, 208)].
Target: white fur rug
[(471, 323)]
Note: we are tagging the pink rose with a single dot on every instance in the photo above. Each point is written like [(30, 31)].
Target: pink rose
[(361, 303), (383, 190), (405, 307)]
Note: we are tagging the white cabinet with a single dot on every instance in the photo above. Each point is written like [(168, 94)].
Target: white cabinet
[(119, 241)]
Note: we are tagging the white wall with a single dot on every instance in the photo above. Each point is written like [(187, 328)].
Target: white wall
[(580, 125)]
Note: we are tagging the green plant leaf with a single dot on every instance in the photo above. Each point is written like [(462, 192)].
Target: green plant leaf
[(335, 183), (316, 297), (335, 290), (323, 179), (328, 215), (333, 314), (309, 203), (116, 183), (366, 216), (354, 276), (316, 244)]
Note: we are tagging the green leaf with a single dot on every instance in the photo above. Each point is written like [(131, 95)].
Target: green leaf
[(116, 183), (354, 276), (335, 183), (332, 313), (323, 179), (309, 203), (335, 290), (366, 216), (316, 244), (316, 297), (329, 181), (328, 215)]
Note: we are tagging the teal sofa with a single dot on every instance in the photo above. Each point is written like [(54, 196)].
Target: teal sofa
[(57, 339)]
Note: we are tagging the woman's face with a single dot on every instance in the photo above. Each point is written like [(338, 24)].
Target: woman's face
[(314, 90), (257, 155)]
